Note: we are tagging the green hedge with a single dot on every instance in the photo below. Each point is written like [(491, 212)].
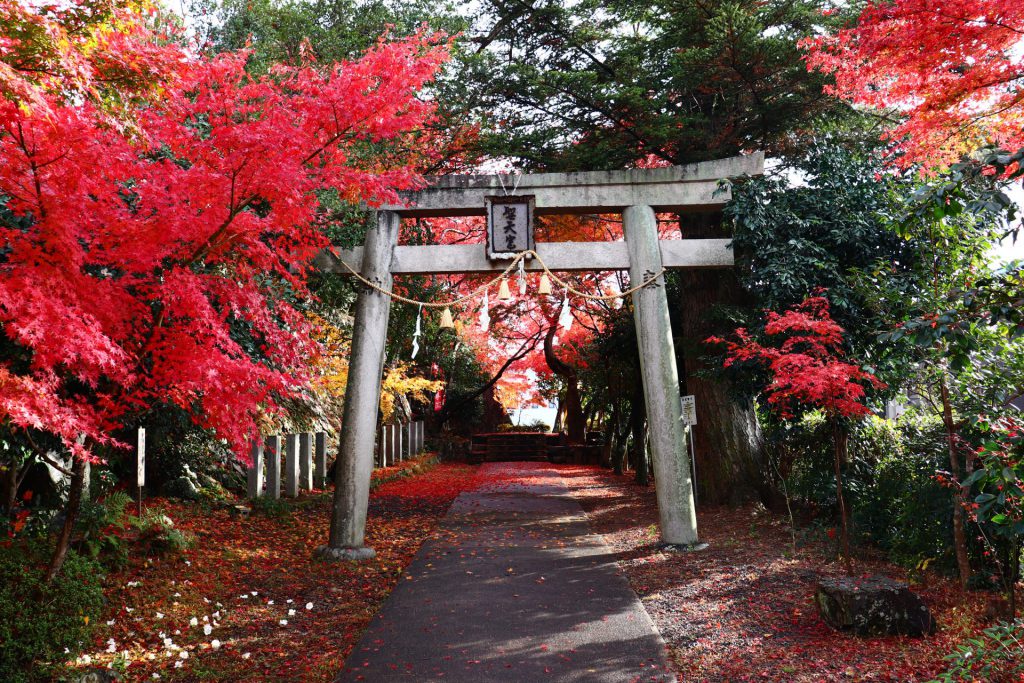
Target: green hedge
[(38, 622)]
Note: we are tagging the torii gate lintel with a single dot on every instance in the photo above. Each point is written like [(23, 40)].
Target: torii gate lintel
[(637, 194)]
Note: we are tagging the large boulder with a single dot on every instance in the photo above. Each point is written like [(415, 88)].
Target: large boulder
[(872, 606)]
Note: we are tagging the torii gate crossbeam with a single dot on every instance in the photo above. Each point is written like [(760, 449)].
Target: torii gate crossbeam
[(637, 195)]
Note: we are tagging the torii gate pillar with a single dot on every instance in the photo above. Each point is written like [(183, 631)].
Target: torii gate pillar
[(638, 194), (677, 516), (362, 396)]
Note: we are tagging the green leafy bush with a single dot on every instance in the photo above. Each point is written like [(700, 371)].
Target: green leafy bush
[(996, 656), (158, 534), (37, 621), (896, 503)]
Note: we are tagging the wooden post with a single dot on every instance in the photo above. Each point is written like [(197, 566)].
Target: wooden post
[(272, 454), (255, 488), (291, 465), (140, 464), (400, 448), (320, 460), (661, 381), (362, 395), (306, 461)]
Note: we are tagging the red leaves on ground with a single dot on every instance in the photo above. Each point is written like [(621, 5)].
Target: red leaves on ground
[(742, 610), (253, 586)]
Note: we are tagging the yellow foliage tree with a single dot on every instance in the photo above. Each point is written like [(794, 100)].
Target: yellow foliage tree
[(398, 382)]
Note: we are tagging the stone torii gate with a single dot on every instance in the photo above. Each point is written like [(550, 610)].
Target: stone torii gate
[(637, 195)]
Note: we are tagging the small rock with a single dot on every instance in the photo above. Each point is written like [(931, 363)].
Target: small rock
[(872, 606), (97, 675)]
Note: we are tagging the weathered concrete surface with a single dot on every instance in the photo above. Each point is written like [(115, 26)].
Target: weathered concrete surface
[(674, 188), (676, 511), (320, 460), (512, 587), (291, 465), (255, 479), (272, 456), (559, 256), (362, 393), (306, 461)]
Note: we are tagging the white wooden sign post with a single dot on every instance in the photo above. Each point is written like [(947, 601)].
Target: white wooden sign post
[(140, 463), (638, 195)]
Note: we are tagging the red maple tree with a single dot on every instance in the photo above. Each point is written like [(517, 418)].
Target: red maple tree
[(156, 235), (808, 371), (949, 70)]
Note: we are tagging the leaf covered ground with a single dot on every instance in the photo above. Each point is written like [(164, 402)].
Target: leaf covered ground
[(742, 609), (248, 602)]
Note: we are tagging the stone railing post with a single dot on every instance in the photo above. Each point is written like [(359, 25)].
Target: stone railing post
[(255, 479), (272, 455), (291, 465), (320, 460), (306, 461)]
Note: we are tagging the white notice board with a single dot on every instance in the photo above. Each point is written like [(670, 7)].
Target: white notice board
[(689, 410)]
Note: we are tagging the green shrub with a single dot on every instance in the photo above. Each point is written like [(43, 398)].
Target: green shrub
[(996, 656), (158, 534), (37, 621), (895, 502)]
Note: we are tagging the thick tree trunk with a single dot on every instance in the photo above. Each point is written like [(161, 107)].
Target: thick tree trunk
[(729, 462), (575, 424), (78, 485), (638, 421), (960, 493), (840, 440), (10, 486)]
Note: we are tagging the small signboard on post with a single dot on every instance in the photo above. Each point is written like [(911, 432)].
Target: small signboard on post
[(689, 410), (509, 225), (140, 476)]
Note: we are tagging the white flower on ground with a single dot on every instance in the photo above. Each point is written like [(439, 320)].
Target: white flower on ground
[(111, 645), (246, 655), (207, 629), (159, 615), (283, 622), (177, 664), (309, 605), (291, 613), (193, 622), (184, 654), (215, 644)]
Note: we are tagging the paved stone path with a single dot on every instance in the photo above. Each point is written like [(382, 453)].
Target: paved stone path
[(512, 587)]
